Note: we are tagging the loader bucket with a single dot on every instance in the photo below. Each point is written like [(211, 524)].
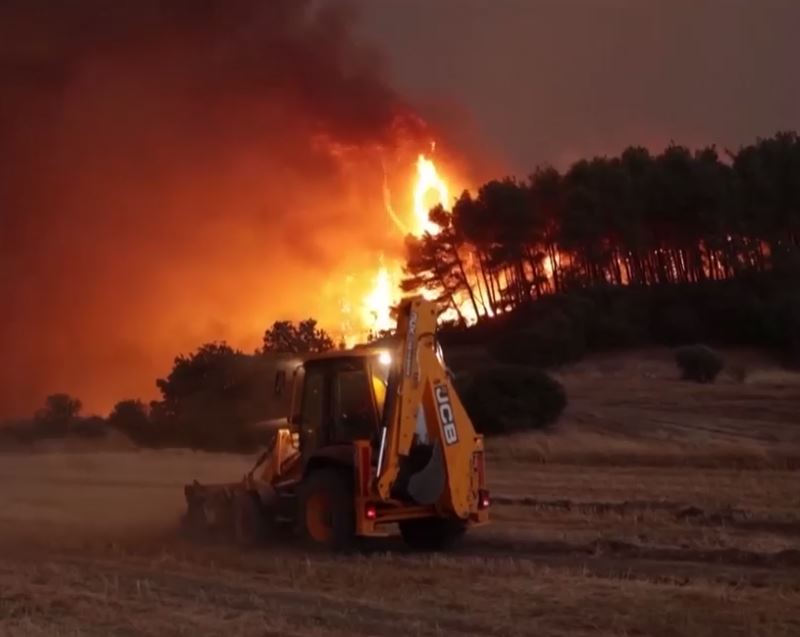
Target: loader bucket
[(209, 512), (425, 486)]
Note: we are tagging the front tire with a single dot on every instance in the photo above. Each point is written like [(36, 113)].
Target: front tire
[(432, 534), (326, 515)]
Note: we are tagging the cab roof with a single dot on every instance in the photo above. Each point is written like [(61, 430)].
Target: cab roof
[(354, 352)]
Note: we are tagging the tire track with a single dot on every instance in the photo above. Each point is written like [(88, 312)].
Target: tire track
[(726, 516)]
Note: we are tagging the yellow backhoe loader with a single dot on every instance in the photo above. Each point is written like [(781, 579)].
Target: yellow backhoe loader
[(374, 437)]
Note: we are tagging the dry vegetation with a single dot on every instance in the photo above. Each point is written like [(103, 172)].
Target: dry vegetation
[(657, 508)]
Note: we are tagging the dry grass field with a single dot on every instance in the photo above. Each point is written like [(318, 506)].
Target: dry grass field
[(655, 508)]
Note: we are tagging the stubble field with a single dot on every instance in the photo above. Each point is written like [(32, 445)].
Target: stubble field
[(656, 508)]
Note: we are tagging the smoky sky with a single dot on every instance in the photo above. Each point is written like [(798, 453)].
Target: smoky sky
[(177, 172), (554, 80), (173, 172)]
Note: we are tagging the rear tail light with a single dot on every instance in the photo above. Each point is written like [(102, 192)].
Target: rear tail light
[(370, 512), (483, 499)]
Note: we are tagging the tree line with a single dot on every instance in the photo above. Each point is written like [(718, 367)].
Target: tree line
[(676, 248), (637, 219), (209, 400)]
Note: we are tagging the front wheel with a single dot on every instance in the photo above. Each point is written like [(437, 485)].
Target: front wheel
[(326, 513), (432, 534)]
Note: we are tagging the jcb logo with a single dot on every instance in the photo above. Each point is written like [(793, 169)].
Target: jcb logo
[(446, 416)]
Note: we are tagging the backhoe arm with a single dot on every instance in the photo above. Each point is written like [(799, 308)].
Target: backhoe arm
[(423, 408)]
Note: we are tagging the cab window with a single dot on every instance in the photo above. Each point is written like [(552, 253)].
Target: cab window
[(353, 406), (312, 416)]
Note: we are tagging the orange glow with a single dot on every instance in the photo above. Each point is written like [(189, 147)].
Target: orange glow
[(366, 295), (428, 189), (378, 303), (251, 194), (428, 180)]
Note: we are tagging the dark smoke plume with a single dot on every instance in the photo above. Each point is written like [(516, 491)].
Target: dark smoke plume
[(178, 171)]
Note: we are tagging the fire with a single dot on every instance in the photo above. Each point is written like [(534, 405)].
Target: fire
[(428, 189), (378, 303), (385, 292), (428, 180)]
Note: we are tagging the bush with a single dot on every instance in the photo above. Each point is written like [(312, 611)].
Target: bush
[(209, 400), (91, 427), (131, 417), (699, 363), (59, 414), (503, 400), (550, 341)]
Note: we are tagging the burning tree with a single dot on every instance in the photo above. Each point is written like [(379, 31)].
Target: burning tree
[(676, 218)]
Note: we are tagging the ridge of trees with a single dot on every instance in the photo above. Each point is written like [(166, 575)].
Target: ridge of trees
[(638, 219), (209, 400)]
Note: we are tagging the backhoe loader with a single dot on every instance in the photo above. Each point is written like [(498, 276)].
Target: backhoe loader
[(374, 437)]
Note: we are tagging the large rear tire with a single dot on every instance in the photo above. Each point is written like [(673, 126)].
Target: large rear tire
[(326, 515), (432, 534)]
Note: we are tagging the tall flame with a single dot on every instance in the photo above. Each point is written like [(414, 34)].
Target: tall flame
[(429, 189), (428, 180), (377, 304)]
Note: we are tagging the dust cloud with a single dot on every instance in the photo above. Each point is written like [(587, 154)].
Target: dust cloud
[(63, 498)]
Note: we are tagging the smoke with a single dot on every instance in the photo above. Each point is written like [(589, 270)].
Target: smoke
[(175, 172)]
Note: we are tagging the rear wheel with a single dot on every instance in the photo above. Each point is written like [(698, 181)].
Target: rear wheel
[(432, 534), (326, 515)]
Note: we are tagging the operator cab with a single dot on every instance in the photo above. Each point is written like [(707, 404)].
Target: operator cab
[(342, 399)]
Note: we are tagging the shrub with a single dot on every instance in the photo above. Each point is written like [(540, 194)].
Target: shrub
[(507, 399), (90, 427), (209, 399), (550, 341), (131, 418), (699, 363), (59, 414)]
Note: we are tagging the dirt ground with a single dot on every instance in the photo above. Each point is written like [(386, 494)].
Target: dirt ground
[(656, 508)]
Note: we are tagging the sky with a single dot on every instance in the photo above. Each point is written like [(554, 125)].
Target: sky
[(175, 173), (554, 80)]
